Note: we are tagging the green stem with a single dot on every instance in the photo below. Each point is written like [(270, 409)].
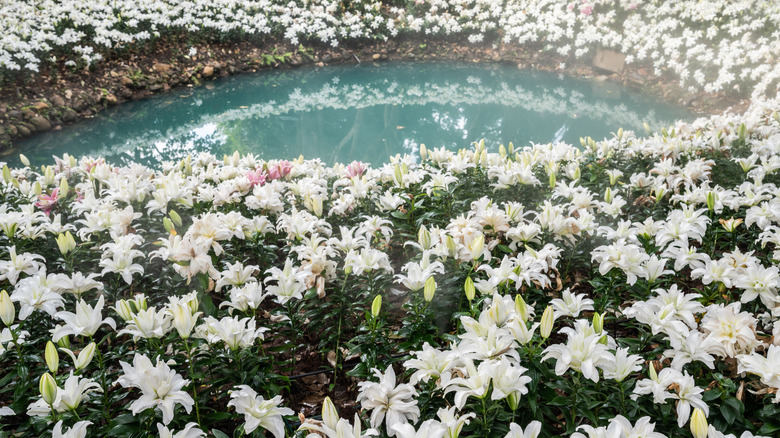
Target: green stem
[(194, 384)]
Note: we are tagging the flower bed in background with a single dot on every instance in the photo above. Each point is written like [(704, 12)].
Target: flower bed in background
[(628, 287), (713, 46)]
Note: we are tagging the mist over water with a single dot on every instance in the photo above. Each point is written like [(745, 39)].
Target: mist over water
[(364, 112)]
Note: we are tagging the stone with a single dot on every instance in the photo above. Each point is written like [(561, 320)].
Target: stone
[(12, 130), (110, 99), (56, 100), (125, 92), (23, 131), (125, 81), (40, 106), (68, 115), (155, 87), (40, 123), (14, 115), (376, 57), (208, 71), (162, 68), (27, 113), (609, 60), (79, 104)]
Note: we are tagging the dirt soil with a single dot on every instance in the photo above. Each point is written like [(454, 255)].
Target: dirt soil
[(59, 95)]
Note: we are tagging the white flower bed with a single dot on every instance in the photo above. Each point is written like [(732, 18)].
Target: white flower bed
[(176, 296), (711, 45)]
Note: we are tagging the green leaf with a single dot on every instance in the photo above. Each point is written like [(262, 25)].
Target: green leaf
[(219, 434), (731, 409)]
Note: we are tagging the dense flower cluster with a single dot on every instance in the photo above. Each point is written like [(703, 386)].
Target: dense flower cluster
[(712, 45), (637, 277)]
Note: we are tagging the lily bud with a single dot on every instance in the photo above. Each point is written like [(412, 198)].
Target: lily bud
[(48, 388), (184, 320), (64, 187), (547, 322), (52, 357), (423, 152), (24, 160), (620, 134), (124, 310), (7, 174), (85, 356), (48, 176), (64, 342), (699, 427), (476, 246), (598, 322), (348, 269), (608, 195), (511, 148), (168, 225), (316, 203), (470, 289), (553, 180), (175, 218), (424, 237), (376, 306), (651, 371), (452, 247), (66, 243), (742, 131), (483, 158), (502, 151), (711, 200), (430, 289), (7, 310), (330, 416), (521, 308), (37, 189), (398, 174)]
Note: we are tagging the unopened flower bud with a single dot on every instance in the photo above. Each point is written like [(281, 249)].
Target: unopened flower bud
[(48, 388), (424, 237), (7, 174), (168, 225), (430, 289), (547, 322), (598, 322), (483, 158), (699, 427), (651, 371), (37, 189), (7, 310), (608, 195), (553, 180), (376, 306), (477, 245), (521, 308), (502, 151), (24, 160), (175, 218), (711, 200), (423, 152), (469, 288), (64, 187), (452, 247), (64, 342), (124, 310), (66, 243), (52, 357), (85, 356)]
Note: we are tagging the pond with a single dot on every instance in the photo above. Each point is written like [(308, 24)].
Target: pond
[(364, 112)]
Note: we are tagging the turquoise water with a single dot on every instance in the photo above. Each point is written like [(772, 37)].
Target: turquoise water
[(364, 112)]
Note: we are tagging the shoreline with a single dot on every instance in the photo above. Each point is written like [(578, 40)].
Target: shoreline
[(57, 96)]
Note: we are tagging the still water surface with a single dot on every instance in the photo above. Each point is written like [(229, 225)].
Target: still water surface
[(361, 112)]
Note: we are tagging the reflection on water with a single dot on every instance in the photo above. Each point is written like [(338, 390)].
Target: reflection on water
[(363, 112)]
